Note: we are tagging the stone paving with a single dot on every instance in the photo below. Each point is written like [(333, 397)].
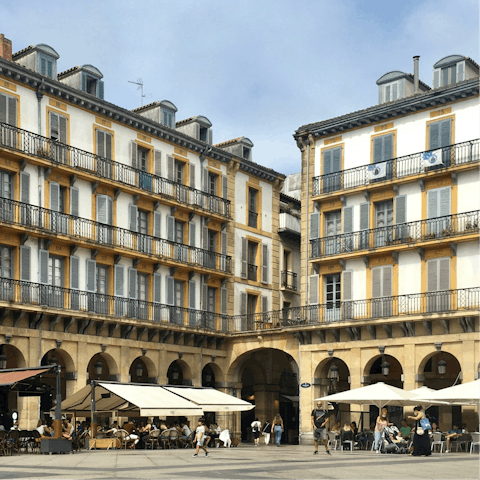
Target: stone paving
[(244, 462)]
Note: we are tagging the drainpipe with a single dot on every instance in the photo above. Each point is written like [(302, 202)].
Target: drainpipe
[(416, 88), (39, 98)]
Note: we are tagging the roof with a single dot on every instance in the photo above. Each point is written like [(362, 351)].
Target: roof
[(397, 74), (449, 59), (289, 199), (243, 140), (31, 48), (89, 68), (163, 103), (198, 118)]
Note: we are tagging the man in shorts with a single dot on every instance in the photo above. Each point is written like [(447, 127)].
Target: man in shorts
[(319, 423), (200, 438)]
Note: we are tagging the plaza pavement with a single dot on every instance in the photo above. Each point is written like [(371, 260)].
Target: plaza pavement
[(244, 462)]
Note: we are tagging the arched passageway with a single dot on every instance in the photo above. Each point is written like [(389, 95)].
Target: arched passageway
[(11, 357)]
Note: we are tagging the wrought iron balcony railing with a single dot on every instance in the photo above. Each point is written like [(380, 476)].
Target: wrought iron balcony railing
[(59, 298), (30, 143), (462, 299), (57, 223), (289, 280), (397, 168), (403, 233)]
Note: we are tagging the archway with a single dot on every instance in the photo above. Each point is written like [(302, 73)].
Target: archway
[(179, 373), (12, 358), (142, 370), (101, 366), (269, 379)]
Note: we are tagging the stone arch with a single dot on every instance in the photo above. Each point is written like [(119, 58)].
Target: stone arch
[(323, 370), (63, 358), (15, 358), (373, 371), (180, 367), (149, 370), (428, 369), (110, 370), (217, 373)]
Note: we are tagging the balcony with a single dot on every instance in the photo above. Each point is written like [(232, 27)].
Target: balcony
[(399, 168), (15, 292), (289, 226), (434, 229), (49, 222), (403, 307), (29, 143), (289, 280)]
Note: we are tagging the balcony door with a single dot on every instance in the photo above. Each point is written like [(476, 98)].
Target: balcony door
[(438, 285), (383, 223), (6, 273), (382, 303), (332, 297), (6, 196), (333, 229), (53, 292), (439, 221), (101, 304)]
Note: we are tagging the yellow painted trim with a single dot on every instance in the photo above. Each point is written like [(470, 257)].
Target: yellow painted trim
[(330, 206), (258, 189), (443, 111), (384, 134), (57, 104), (181, 151), (395, 279), (382, 128), (452, 131), (442, 182), (18, 102), (253, 180), (381, 261), (150, 149), (10, 165), (330, 141), (376, 197), (9, 85), (257, 231), (440, 253), (338, 145), (144, 138), (103, 122), (218, 185), (47, 122)]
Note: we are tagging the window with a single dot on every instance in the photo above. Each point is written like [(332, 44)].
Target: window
[(104, 150), (46, 65), (8, 111), (6, 195), (212, 183), (142, 159), (92, 85), (333, 228), (101, 300), (438, 212), (58, 221), (168, 117), (51, 276), (176, 234), (104, 218), (332, 166), (440, 136), (391, 92), (6, 272), (252, 207), (438, 285), (251, 310), (142, 295), (247, 153), (252, 260), (204, 134), (332, 297), (383, 223), (382, 287), (58, 133), (179, 172), (449, 75)]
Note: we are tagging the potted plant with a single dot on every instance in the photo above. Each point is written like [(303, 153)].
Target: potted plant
[(430, 235), (471, 226), (447, 231)]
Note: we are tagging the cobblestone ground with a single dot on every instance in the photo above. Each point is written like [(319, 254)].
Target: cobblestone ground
[(244, 462)]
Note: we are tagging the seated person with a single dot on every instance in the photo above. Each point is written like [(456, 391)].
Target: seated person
[(42, 429), (214, 433), (346, 435), (67, 429), (405, 429), (184, 434), (354, 427), (453, 433), (435, 427)]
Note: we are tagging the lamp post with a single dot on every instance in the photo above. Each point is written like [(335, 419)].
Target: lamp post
[(138, 370), (442, 367), (333, 377), (385, 368), (3, 359), (98, 365), (57, 423)]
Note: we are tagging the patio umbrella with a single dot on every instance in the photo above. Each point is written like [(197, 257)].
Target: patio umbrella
[(379, 394), (464, 394), (423, 393)]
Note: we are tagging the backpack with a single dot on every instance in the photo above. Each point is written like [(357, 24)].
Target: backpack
[(425, 423)]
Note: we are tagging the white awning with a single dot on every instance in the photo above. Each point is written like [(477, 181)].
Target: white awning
[(211, 400)]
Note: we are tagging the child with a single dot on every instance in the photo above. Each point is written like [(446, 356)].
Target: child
[(200, 438)]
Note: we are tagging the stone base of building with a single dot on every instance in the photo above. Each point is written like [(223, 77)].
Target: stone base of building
[(306, 438)]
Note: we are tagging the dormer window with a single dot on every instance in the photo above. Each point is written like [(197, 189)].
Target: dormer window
[(86, 78), (452, 69), (204, 134), (246, 153), (168, 117), (46, 65), (92, 85), (41, 58)]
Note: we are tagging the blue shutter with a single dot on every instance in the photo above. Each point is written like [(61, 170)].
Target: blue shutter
[(315, 225), (243, 303), (434, 141), (265, 261), (84, 82), (225, 186), (91, 275), (192, 229), (223, 300), (170, 168), (388, 147), (3, 108), (445, 133), (25, 263), (43, 66), (101, 143), (364, 214), (377, 149), (119, 280), (54, 196), (133, 154), (192, 175), (192, 294), (436, 78), (74, 273), (244, 258), (101, 89), (336, 160), (170, 284)]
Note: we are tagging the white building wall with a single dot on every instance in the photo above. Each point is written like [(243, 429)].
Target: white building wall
[(467, 265), (409, 273), (468, 192)]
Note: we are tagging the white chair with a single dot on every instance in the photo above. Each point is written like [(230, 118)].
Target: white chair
[(437, 440), (333, 440), (475, 441), (351, 442)]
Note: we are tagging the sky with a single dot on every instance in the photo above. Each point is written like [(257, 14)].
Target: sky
[(258, 69)]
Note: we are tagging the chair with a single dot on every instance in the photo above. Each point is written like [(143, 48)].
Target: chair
[(3, 444), (35, 441), (123, 436), (12, 441), (165, 438), (173, 439), (463, 440), (369, 440), (437, 440), (475, 441), (333, 440), (189, 440), (152, 439)]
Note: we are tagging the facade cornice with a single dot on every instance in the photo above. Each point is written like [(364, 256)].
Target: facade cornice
[(19, 74), (387, 111)]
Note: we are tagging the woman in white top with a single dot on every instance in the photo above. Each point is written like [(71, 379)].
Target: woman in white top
[(256, 426)]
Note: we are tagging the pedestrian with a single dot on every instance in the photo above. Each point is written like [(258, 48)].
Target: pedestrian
[(200, 438), (256, 426), (277, 428), (319, 423), (421, 441), (381, 423), (266, 431)]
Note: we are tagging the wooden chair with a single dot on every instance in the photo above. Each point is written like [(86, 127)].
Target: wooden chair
[(12, 440), (3, 443), (173, 439), (123, 436), (152, 439), (164, 438)]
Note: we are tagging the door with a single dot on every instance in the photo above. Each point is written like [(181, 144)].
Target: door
[(6, 197), (332, 165), (55, 281), (333, 229), (58, 220), (332, 297), (382, 302), (438, 285), (383, 223), (144, 243), (177, 313), (145, 179), (212, 248), (142, 295), (251, 310), (211, 307), (6, 273), (180, 250), (439, 222)]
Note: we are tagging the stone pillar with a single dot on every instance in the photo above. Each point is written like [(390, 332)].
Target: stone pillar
[(266, 401)]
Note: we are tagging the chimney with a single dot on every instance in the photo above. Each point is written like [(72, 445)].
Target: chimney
[(415, 74), (5, 47)]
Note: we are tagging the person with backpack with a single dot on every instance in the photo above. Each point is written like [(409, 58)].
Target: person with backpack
[(421, 442), (319, 423), (256, 426), (266, 431)]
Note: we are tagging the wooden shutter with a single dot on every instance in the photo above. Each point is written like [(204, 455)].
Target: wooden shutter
[(432, 275), (108, 146), (400, 209), (313, 281), (133, 154), (225, 186), (387, 287), (244, 258), (192, 233), (264, 304), (84, 82), (376, 282), (460, 72), (265, 261), (444, 197), (336, 160), (223, 300), (109, 209), (243, 303), (101, 89), (25, 187), (191, 167), (12, 111), (394, 91), (432, 203), (438, 202), (436, 78), (192, 298), (205, 238), (388, 147), (157, 156), (209, 137), (132, 283), (119, 280), (387, 93), (157, 288), (157, 222), (102, 209), (44, 257), (204, 296), (347, 293), (91, 275), (315, 225), (74, 199), (364, 214), (224, 241), (347, 219), (3, 108), (25, 253), (74, 273), (377, 149), (133, 214), (327, 162), (444, 274), (170, 284), (63, 129), (54, 196), (170, 228), (100, 143), (170, 168), (205, 180), (445, 133), (383, 148)]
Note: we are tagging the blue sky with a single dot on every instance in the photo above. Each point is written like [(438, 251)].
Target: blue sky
[(258, 69)]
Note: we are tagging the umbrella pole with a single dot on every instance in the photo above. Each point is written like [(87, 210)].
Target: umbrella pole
[(57, 423), (93, 427)]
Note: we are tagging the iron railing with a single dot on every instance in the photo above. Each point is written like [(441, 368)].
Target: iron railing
[(403, 233), (289, 280), (462, 299), (32, 144), (59, 298), (397, 168), (57, 223)]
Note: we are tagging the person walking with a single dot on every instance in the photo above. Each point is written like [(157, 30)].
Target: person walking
[(319, 423), (200, 438), (380, 424), (256, 426), (421, 441), (277, 428), (266, 431)]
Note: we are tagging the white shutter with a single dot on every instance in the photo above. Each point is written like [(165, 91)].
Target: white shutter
[(54, 196), (204, 296), (170, 284), (347, 285), (133, 214), (444, 194), (119, 280), (432, 203), (74, 199), (157, 287), (170, 228), (264, 304), (157, 222), (192, 233), (132, 283), (102, 209), (205, 238), (74, 273), (100, 143), (44, 257), (224, 240), (387, 287), (109, 209), (265, 261), (432, 275), (313, 281), (63, 129), (364, 216), (91, 275), (108, 146), (25, 263), (158, 163), (54, 133), (205, 180)]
